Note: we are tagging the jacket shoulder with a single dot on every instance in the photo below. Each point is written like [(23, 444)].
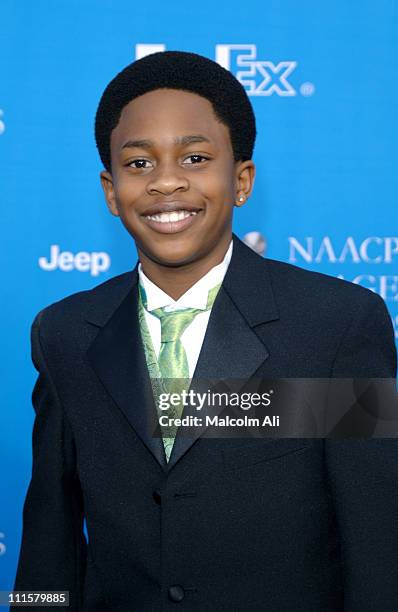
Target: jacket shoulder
[(317, 288), (73, 308)]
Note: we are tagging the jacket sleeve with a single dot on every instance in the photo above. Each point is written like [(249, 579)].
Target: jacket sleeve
[(53, 547), (363, 473)]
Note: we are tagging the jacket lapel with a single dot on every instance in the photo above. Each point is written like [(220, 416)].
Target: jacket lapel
[(117, 356), (231, 348)]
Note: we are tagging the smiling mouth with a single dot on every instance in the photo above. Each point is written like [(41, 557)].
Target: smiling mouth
[(171, 222), (171, 217)]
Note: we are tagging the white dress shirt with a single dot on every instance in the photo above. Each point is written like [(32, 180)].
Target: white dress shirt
[(196, 297)]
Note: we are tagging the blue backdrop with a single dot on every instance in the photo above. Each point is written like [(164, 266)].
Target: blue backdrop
[(320, 76)]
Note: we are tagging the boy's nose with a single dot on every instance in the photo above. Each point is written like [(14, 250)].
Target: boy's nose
[(167, 179)]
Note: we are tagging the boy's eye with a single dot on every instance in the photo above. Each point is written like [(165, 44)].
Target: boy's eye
[(196, 157), (140, 162)]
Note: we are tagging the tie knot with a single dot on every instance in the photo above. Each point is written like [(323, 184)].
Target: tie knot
[(173, 323)]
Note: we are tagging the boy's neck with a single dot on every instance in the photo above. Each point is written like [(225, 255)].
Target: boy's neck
[(175, 281)]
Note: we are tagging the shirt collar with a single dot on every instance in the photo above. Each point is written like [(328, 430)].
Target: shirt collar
[(195, 297)]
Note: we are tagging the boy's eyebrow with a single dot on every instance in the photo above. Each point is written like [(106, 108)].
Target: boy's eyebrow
[(182, 140)]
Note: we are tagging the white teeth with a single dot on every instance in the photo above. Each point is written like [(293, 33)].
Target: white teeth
[(171, 217)]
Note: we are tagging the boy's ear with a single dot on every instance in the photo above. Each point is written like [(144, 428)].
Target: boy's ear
[(107, 186), (245, 173)]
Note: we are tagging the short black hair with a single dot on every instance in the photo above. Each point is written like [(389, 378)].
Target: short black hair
[(179, 70)]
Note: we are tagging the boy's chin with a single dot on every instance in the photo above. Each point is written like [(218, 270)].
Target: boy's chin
[(173, 256), (175, 260)]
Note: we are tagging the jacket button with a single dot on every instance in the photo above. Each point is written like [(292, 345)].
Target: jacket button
[(176, 593), (157, 497)]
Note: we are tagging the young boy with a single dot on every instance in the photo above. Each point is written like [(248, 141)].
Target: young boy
[(294, 524)]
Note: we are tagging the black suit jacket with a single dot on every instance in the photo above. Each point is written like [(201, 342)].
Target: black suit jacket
[(284, 525)]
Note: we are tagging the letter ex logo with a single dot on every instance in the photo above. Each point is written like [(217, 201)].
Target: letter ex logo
[(259, 77)]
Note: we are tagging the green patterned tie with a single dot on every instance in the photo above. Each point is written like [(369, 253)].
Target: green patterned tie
[(172, 363)]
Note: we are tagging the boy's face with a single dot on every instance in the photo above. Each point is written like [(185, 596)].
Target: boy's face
[(183, 163)]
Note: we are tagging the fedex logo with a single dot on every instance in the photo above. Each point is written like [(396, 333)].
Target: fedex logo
[(259, 77)]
